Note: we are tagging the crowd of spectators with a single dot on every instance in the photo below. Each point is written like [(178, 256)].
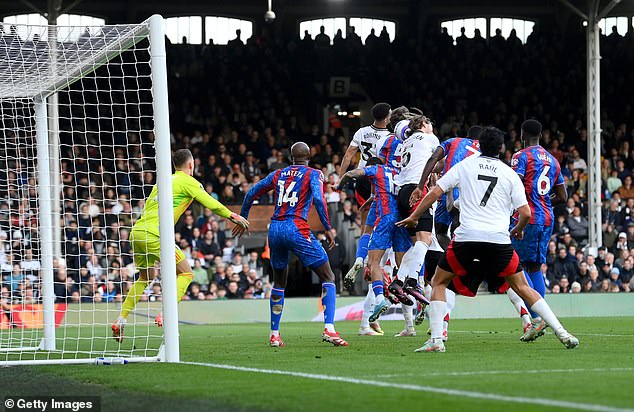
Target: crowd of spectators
[(258, 98)]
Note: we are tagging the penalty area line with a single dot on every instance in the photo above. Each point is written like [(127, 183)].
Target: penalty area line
[(420, 388)]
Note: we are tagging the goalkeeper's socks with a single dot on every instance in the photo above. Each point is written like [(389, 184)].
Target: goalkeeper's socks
[(362, 246), (277, 306), (328, 301), (134, 294), (377, 288), (182, 283)]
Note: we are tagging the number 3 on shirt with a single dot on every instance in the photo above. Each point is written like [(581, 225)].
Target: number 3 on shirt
[(287, 195)]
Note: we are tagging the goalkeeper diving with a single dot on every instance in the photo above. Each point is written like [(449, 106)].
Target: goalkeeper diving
[(145, 239)]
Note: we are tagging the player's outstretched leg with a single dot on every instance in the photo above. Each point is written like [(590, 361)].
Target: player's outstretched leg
[(277, 307), (356, 269), (538, 304), (133, 297), (521, 309), (366, 328)]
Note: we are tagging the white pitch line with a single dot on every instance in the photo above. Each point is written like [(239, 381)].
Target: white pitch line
[(489, 332), (421, 388), (506, 372)]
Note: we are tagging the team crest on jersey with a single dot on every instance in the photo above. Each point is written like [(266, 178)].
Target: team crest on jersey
[(514, 161)]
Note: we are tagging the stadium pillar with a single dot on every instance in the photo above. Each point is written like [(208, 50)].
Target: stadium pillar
[(164, 181), (594, 133)]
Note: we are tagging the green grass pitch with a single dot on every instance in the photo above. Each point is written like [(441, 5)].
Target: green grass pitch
[(486, 366)]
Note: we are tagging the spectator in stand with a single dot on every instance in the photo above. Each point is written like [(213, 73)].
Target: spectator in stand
[(626, 190), (614, 182), (233, 291), (200, 275), (563, 267), (578, 226)]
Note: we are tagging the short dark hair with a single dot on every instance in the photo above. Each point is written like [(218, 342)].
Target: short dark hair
[(374, 161), (474, 132), (380, 111), (531, 128), (181, 157), (491, 141)]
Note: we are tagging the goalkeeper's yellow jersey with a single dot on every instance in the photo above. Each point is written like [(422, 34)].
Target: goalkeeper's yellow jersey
[(186, 189)]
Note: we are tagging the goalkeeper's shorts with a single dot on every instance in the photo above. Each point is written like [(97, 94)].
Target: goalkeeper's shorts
[(147, 249)]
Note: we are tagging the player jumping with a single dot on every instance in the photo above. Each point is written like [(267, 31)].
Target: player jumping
[(296, 187), (544, 186), (385, 234), (145, 240), (365, 140), (487, 188)]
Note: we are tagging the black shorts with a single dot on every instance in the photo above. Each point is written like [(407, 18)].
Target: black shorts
[(431, 261), (475, 262), (362, 189), (425, 223)]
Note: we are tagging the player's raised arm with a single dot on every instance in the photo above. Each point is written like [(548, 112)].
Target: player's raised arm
[(353, 174), (352, 150), (198, 193), (263, 186)]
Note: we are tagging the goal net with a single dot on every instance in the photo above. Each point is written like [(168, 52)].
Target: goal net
[(83, 126)]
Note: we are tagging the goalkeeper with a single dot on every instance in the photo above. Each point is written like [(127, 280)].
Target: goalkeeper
[(145, 239)]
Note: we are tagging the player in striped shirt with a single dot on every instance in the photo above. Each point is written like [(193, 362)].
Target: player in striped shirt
[(385, 234), (544, 185), (296, 188)]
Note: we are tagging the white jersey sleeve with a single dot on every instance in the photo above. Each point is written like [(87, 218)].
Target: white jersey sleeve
[(518, 193), (356, 139)]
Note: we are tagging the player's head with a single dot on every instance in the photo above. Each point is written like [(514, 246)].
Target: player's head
[(531, 131), (419, 123), (398, 114), (183, 160), (474, 132), (300, 153), (374, 161), (381, 112), (491, 141)]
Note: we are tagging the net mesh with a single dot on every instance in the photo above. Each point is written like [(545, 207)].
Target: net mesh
[(102, 167)]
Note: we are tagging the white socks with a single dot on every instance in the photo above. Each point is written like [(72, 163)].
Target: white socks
[(413, 260), (542, 309), (329, 327), (368, 307), (518, 303), (427, 292), (408, 315), (438, 310)]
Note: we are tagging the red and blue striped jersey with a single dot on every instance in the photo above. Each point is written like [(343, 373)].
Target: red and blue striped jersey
[(386, 148), (296, 188), (382, 177), (458, 149), (540, 172)]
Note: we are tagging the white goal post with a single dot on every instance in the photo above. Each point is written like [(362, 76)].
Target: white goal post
[(111, 146)]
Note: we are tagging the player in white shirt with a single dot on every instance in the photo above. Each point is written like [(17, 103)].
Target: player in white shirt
[(418, 145), (489, 192), (364, 140)]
